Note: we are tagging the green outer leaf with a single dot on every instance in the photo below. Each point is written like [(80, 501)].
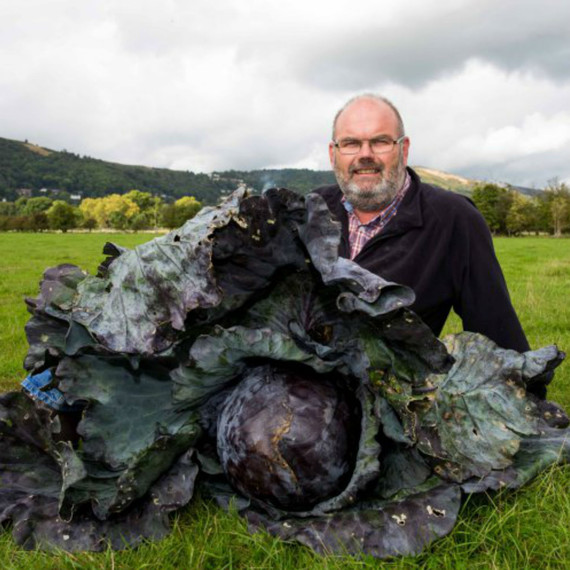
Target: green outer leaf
[(131, 430), (46, 339), (150, 290), (47, 330), (480, 411), (301, 308), (28, 456), (399, 528), (391, 425), (536, 453), (30, 485), (58, 290), (220, 358), (403, 471)]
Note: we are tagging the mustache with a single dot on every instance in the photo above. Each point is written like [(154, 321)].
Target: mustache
[(366, 163)]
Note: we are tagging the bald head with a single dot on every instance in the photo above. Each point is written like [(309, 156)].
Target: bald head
[(370, 99)]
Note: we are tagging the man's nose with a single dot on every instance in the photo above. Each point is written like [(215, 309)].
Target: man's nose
[(365, 149)]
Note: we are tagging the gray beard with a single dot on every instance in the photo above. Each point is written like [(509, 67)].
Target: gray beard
[(374, 198)]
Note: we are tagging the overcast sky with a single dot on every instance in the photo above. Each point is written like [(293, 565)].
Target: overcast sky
[(202, 85)]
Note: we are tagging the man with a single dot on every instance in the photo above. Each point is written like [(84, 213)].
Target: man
[(412, 233)]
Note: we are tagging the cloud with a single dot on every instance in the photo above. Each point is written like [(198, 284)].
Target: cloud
[(211, 86), (488, 123), (429, 41), (536, 135)]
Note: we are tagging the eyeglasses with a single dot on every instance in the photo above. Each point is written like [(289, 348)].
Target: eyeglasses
[(379, 145)]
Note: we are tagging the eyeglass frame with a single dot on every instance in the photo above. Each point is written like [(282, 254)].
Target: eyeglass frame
[(399, 140)]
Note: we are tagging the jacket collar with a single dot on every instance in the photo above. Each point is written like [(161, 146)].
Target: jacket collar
[(409, 212)]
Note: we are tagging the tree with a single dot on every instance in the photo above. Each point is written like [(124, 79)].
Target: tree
[(141, 221), (39, 221), (149, 209), (559, 210), (557, 197), (168, 216), (494, 203), (144, 200), (92, 208), (117, 220), (35, 205), (8, 209), (62, 216), (19, 223), (20, 204), (521, 216), (113, 211), (174, 215), (89, 223), (187, 207)]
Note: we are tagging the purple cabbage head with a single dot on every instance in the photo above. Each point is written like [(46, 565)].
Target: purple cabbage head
[(288, 437)]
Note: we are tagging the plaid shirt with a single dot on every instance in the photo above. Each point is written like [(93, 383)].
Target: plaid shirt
[(358, 233)]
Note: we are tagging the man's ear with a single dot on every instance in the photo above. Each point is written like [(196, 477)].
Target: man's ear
[(406, 150), (331, 153)]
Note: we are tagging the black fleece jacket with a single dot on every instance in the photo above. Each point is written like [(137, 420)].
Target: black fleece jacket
[(439, 245)]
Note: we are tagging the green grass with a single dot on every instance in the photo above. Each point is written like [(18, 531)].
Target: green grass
[(529, 528)]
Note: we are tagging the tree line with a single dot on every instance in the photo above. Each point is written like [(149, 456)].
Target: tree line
[(509, 212), (506, 211), (135, 210)]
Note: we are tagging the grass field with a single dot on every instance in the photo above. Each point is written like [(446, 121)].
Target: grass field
[(525, 529)]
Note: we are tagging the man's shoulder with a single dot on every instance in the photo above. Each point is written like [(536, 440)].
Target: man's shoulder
[(446, 209)]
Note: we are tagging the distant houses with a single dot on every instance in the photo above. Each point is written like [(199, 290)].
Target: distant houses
[(50, 192)]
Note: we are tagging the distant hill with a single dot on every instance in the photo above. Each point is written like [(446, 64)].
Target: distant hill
[(525, 190), (26, 169), (31, 167), (446, 180)]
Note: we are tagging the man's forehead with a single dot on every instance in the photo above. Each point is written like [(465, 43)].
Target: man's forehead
[(367, 115)]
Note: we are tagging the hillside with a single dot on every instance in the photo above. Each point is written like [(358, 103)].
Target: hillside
[(446, 180), (28, 166), (23, 165)]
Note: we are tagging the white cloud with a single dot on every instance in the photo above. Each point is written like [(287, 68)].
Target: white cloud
[(484, 121), (536, 135), (252, 84)]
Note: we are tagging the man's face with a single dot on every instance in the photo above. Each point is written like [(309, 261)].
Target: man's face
[(369, 181)]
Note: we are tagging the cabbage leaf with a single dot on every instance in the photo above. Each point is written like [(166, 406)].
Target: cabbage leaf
[(153, 347)]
